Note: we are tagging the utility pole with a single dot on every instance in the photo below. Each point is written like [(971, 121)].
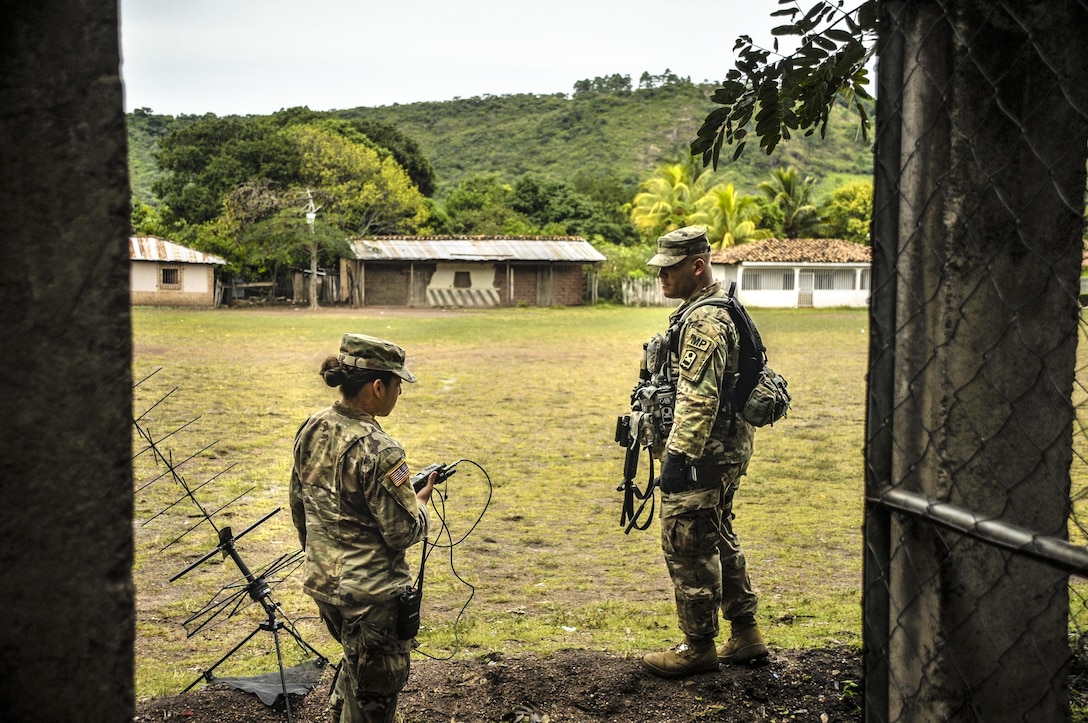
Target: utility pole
[(311, 217)]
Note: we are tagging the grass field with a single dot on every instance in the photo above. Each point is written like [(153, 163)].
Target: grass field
[(531, 396)]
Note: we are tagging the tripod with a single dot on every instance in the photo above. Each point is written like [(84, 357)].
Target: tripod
[(259, 591), (257, 587)]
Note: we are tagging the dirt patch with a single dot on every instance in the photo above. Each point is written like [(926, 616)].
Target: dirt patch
[(571, 685)]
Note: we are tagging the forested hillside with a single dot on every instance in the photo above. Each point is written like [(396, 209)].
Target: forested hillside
[(618, 135)]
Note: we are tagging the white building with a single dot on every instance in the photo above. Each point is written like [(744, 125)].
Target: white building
[(796, 273), (163, 273)]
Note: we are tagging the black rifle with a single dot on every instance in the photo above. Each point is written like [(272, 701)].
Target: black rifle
[(629, 516)]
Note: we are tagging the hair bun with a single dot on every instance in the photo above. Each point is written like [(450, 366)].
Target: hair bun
[(333, 377)]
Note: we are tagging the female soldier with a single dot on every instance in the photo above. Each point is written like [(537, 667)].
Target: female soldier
[(356, 513)]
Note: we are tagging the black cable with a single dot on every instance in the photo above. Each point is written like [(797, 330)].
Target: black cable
[(444, 531)]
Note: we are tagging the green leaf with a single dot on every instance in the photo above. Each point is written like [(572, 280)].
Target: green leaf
[(787, 30), (716, 117), (727, 93), (796, 93), (811, 54), (816, 11), (867, 15)]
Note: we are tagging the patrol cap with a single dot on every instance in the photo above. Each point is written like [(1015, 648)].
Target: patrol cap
[(369, 352), (675, 246)]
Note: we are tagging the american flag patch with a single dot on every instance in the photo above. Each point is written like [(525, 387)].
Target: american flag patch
[(399, 474)]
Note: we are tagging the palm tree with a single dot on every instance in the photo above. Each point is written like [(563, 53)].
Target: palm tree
[(791, 194), (669, 199), (730, 218)]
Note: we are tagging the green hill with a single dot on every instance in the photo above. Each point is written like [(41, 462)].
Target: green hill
[(621, 135)]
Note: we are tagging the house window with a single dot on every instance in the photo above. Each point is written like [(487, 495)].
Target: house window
[(170, 277), (865, 279), (833, 279), (462, 280), (767, 280)]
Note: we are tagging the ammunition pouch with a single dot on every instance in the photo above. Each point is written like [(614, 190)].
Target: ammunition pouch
[(647, 426), (654, 397)]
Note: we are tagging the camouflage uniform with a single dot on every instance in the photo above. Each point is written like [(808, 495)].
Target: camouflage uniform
[(356, 514), (703, 554)]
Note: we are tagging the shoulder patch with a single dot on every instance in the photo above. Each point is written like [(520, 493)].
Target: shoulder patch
[(399, 474), (694, 354)]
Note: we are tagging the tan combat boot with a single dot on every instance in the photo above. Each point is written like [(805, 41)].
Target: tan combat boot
[(745, 644), (689, 657)]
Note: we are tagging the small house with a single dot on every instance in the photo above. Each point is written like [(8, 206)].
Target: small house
[(796, 273), (469, 271), (163, 273)]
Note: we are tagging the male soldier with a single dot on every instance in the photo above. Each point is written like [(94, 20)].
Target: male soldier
[(705, 457)]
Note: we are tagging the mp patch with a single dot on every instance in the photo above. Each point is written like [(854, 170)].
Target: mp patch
[(695, 354)]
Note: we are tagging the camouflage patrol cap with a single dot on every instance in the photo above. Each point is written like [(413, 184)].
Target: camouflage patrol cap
[(675, 246), (369, 352)]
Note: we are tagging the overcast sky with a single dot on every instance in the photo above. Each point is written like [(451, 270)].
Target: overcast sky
[(257, 56)]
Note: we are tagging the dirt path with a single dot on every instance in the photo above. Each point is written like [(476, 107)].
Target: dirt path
[(572, 685)]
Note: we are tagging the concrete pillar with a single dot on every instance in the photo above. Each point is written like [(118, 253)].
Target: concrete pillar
[(977, 252), (66, 596)]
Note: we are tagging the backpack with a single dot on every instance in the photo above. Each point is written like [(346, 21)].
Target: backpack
[(758, 394)]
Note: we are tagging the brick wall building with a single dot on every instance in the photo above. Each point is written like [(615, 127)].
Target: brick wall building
[(469, 271)]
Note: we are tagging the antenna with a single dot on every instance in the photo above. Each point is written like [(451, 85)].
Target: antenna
[(252, 586)]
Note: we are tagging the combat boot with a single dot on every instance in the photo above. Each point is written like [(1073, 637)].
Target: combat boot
[(745, 644), (694, 655)]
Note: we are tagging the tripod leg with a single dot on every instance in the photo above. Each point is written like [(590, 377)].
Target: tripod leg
[(323, 661), (207, 674), (279, 659)]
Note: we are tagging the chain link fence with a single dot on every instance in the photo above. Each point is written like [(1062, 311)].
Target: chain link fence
[(976, 571)]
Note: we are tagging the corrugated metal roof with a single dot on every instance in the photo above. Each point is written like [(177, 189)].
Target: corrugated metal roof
[(476, 248), (151, 248), (801, 250)]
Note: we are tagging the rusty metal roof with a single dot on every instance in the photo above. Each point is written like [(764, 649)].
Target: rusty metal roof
[(801, 250), (151, 248), (476, 248)]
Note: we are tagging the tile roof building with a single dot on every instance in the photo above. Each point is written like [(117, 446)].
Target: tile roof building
[(796, 272), (801, 250)]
